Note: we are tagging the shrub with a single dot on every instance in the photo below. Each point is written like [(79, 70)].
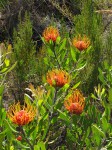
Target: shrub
[(24, 51)]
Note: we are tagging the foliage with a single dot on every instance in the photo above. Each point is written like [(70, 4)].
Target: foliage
[(71, 107), (24, 49)]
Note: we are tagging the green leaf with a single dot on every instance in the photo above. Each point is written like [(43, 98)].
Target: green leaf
[(27, 99), (12, 129), (105, 124), (12, 67), (65, 87), (58, 40), (45, 131), (43, 40), (98, 130), (46, 61), (63, 44), (1, 93), (6, 70), (3, 132), (11, 147), (67, 61), (1, 140), (3, 70), (73, 54), (64, 116), (21, 145), (62, 57), (109, 146), (81, 65), (101, 76), (93, 96), (50, 52), (40, 146), (54, 120), (110, 96), (7, 62), (41, 122), (76, 85)]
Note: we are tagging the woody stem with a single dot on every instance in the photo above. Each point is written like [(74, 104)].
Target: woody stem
[(55, 95), (27, 140)]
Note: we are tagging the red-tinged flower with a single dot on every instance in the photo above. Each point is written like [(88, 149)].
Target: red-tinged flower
[(58, 78), (75, 103), (21, 114), (81, 43), (50, 33), (19, 138)]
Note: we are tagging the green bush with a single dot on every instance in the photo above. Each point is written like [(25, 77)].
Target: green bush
[(24, 51)]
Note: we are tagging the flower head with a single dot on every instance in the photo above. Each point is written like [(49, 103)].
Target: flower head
[(75, 103), (81, 43), (50, 33), (21, 114), (58, 78), (38, 92)]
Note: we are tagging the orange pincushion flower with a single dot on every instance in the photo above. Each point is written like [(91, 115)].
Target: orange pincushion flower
[(81, 43), (21, 114), (58, 78), (75, 103), (50, 33)]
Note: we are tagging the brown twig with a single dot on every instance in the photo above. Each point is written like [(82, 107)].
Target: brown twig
[(104, 11)]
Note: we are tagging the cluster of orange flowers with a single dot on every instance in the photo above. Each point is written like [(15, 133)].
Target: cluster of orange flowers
[(21, 114), (81, 43), (58, 78), (75, 103), (52, 33)]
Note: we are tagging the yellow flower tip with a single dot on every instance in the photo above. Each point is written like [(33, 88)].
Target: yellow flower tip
[(21, 114), (81, 43), (75, 103), (51, 33), (58, 78)]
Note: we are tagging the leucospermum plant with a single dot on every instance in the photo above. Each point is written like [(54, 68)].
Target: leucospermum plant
[(55, 113), (62, 104), (58, 114)]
